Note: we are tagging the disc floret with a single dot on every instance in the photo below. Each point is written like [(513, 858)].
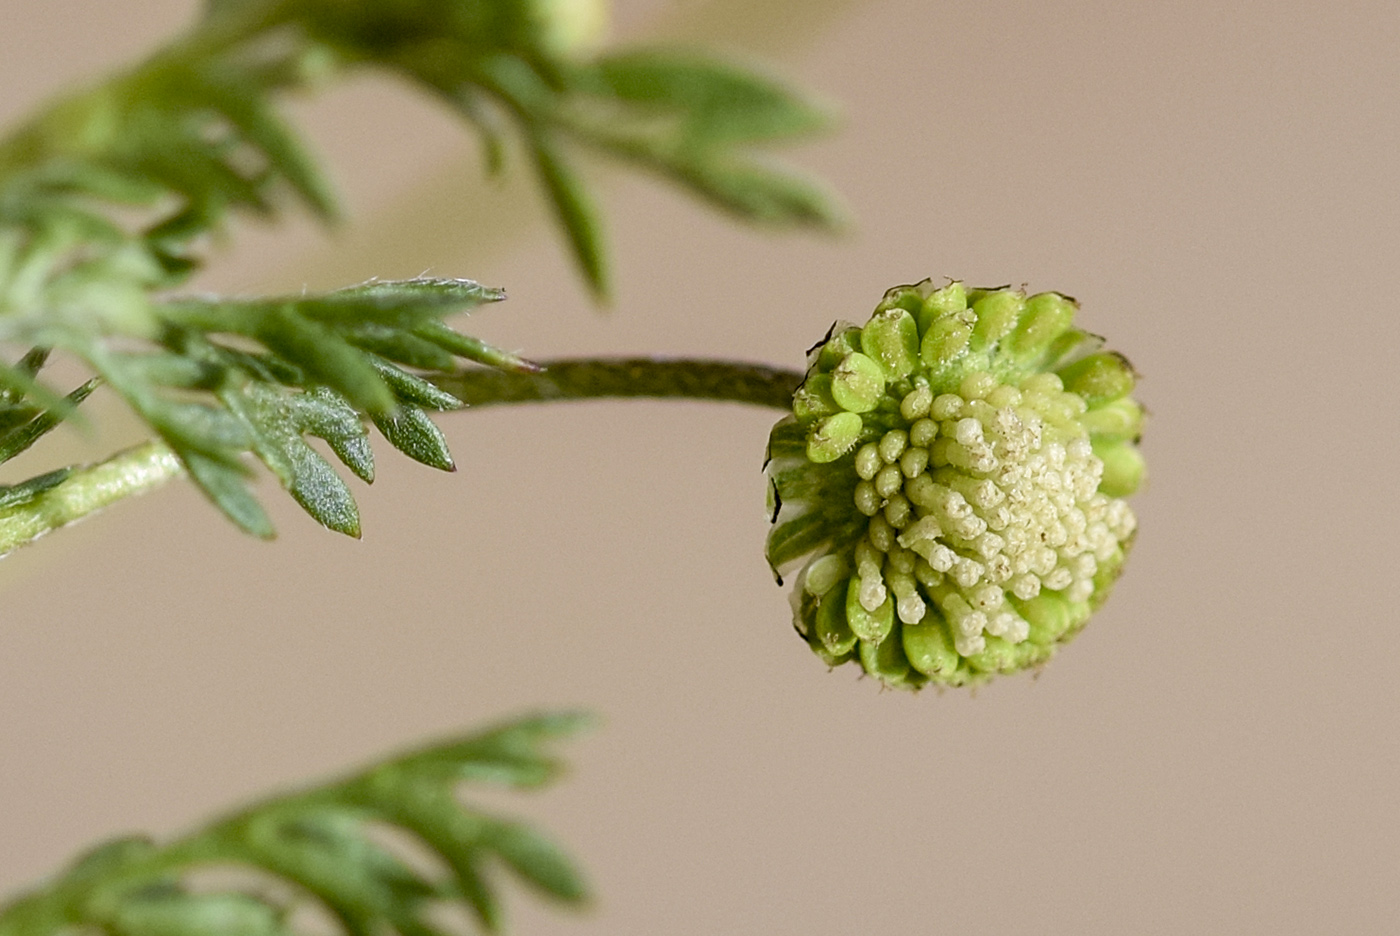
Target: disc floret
[(951, 484)]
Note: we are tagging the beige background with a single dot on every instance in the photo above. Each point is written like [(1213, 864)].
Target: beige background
[(1217, 753)]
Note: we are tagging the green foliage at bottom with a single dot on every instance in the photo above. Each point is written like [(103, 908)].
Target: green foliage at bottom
[(384, 851)]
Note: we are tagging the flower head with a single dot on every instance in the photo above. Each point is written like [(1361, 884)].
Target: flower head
[(950, 483)]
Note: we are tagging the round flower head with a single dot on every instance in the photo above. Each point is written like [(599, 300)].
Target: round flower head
[(950, 482)]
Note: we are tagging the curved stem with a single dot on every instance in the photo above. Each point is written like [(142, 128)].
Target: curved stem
[(140, 469), (87, 490), (598, 378)]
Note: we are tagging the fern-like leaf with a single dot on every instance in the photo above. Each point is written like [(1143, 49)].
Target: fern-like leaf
[(108, 199), (329, 845)]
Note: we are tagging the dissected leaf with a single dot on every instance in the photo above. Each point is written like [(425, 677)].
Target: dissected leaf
[(326, 357), (277, 440), (22, 437), (323, 414), (575, 210), (409, 430), (228, 488), (415, 390), (112, 196), (717, 104), (325, 845), (474, 349), (16, 494)]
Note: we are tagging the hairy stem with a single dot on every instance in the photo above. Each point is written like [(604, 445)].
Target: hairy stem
[(595, 378), (87, 490), (137, 470)]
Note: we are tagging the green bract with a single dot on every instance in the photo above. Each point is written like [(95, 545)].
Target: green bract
[(950, 483)]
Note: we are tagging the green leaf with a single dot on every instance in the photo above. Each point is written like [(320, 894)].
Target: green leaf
[(403, 303), (17, 440), (326, 852), (718, 104), (246, 107), (196, 170), (110, 855), (508, 755), (326, 357), (475, 350), (83, 176), (18, 383), (227, 488), (574, 209), (179, 914), (399, 346), (323, 414), (411, 431), (415, 390), (325, 844), (536, 859), (306, 475), (758, 193), (16, 494)]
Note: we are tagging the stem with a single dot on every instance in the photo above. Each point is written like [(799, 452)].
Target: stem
[(150, 465), (596, 378), (86, 491)]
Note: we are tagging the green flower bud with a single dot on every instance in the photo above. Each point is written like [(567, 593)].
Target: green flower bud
[(834, 436), (892, 339), (814, 398), (1123, 467), (830, 626), (929, 649), (946, 339), (858, 383), (886, 661), (1046, 317), (843, 339), (979, 516), (997, 313), (871, 626), (1115, 421), (949, 300), (1100, 378)]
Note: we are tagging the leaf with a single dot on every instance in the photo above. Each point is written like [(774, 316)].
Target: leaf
[(179, 914), (326, 357), (83, 176), (306, 475), (17, 440), (767, 195), (246, 107), (324, 844), (397, 302), (536, 859), (508, 755), (323, 414), (415, 390), (325, 851), (227, 488), (16, 494), (398, 345), (718, 104), (575, 211), (475, 350), (18, 383), (196, 170), (411, 431)]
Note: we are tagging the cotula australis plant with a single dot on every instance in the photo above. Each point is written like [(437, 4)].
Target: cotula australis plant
[(948, 479)]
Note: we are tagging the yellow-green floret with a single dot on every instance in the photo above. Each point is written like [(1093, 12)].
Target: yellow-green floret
[(951, 484)]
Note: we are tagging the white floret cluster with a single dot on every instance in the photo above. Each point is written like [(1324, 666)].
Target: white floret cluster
[(991, 491)]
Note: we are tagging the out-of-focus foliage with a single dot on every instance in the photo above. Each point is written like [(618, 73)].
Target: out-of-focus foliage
[(329, 846), (109, 198)]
